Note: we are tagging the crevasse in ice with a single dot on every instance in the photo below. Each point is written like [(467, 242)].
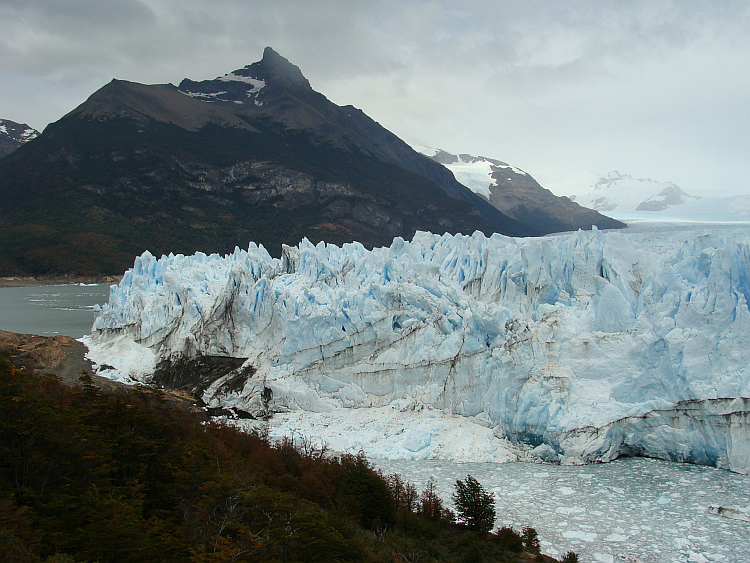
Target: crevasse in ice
[(582, 346)]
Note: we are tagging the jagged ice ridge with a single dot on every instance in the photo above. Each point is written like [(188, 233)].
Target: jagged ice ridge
[(575, 348)]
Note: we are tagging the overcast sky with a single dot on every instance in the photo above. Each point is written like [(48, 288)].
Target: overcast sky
[(566, 90)]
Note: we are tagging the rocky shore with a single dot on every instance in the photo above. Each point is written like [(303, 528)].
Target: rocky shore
[(65, 358)]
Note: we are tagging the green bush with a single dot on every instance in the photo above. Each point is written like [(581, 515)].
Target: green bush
[(509, 539)]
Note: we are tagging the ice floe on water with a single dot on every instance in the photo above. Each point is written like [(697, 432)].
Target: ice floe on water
[(632, 509)]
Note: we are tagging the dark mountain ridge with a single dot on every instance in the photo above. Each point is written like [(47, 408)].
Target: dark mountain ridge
[(254, 155)]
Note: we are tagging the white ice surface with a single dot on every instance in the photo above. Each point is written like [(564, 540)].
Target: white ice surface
[(398, 431), (582, 346), (121, 359)]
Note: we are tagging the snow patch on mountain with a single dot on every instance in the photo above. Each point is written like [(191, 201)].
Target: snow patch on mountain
[(13, 135), (477, 176), (18, 133), (574, 348), (238, 86), (206, 96), (474, 172), (255, 84)]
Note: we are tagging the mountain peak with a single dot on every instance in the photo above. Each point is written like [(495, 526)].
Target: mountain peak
[(274, 68), (247, 82)]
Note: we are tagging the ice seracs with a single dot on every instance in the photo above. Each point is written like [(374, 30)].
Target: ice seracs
[(578, 347)]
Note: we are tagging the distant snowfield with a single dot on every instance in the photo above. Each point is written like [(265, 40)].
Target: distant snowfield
[(706, 211)]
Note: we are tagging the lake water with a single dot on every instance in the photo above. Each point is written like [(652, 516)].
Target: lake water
[(51, 309), (630, 510)]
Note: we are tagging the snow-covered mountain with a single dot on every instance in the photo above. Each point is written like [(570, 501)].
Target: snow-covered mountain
[(13, 135), (619, 193), (516, 194), (571, 348)]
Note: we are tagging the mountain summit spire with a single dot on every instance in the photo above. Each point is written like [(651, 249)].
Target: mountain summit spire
[(277, 67)]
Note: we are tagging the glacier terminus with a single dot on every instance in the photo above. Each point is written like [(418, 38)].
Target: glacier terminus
[(572, 348)]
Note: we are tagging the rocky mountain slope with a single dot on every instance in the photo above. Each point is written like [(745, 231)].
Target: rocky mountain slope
[(255, 155), (13, 135), (517, 194)]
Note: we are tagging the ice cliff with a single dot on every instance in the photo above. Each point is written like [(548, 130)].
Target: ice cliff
[(581, 347)]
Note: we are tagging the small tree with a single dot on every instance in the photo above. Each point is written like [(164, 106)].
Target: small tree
[(474, 504), (530, 540), (430, 506)]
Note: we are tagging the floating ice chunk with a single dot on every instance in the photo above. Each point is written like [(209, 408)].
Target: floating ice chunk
[(579, 535), (682, 543), (570, 510)]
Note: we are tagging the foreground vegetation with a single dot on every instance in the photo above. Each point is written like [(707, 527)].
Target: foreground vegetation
[(88, 475)]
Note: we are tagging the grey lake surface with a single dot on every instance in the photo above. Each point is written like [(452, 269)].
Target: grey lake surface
[(630, 510), (49, 310)]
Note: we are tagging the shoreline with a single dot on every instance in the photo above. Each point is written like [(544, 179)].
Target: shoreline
[(30, 281)]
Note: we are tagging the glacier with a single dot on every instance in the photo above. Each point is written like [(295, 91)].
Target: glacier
[(573, 348)]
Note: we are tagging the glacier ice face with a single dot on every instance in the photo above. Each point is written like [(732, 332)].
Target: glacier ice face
[(583, 346)]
